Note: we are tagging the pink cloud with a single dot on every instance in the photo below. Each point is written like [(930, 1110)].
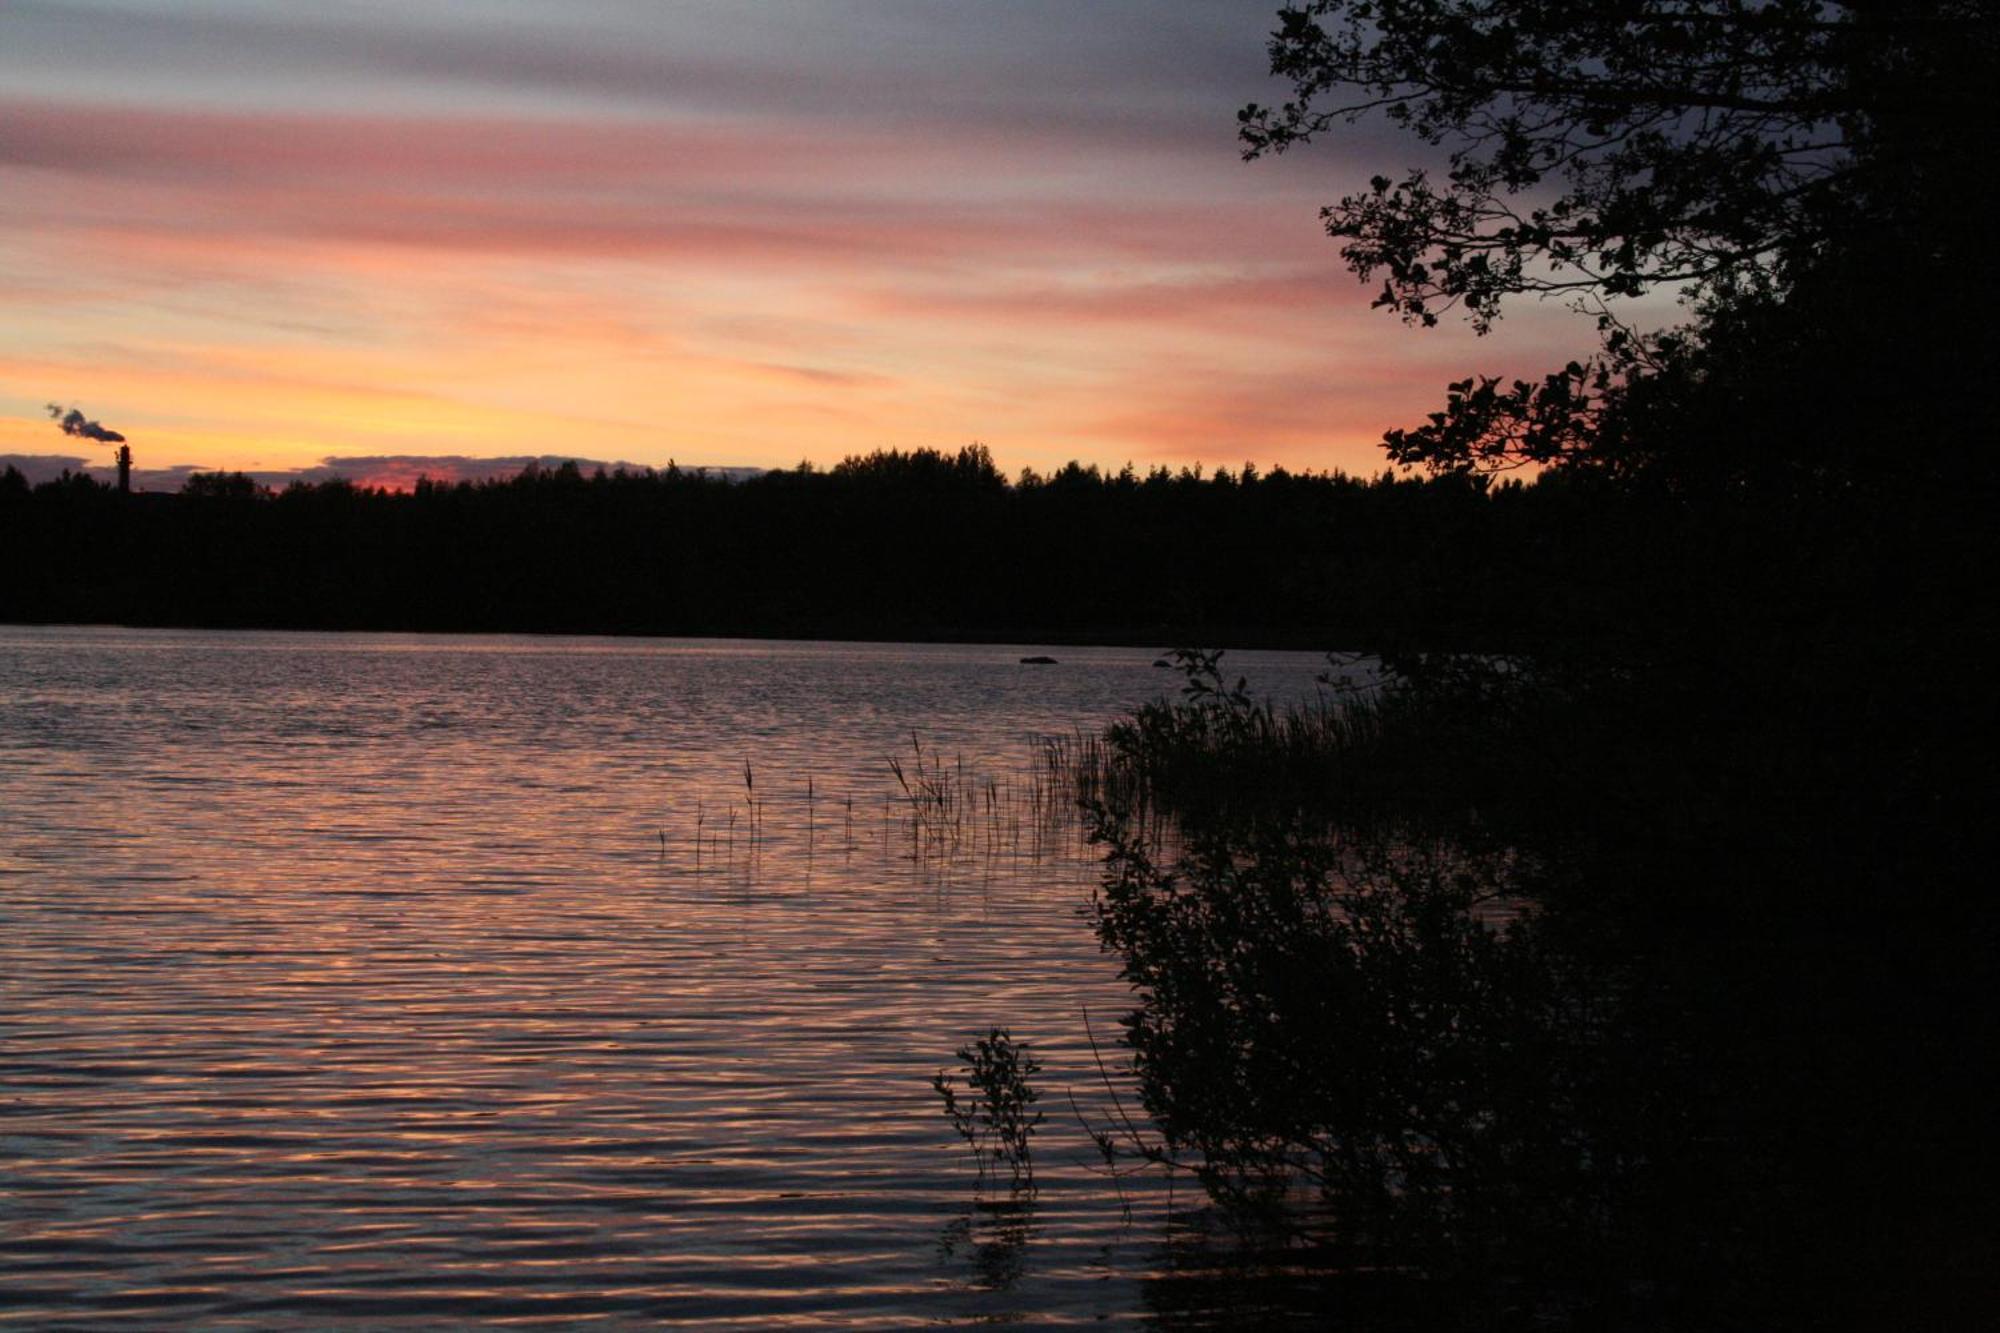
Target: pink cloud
[(220, 149), (590, 188), (762, 251), (1275, 291)]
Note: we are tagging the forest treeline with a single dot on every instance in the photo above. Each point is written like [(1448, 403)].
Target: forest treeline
[(921, 545)]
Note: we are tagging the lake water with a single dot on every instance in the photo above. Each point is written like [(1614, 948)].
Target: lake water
[(409, 980)]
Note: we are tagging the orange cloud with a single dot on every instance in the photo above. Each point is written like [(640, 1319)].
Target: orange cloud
[(257, 289)]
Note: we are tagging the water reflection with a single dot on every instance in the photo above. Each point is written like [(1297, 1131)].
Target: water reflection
[(402, 979), (986, 1243)]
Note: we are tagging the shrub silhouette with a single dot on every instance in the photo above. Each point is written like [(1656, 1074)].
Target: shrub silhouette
[(996, 1115)]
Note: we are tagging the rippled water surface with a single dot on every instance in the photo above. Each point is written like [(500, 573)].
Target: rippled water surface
[(412, 980)]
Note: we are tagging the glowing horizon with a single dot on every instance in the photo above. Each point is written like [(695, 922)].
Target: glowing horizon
[(255, 240)]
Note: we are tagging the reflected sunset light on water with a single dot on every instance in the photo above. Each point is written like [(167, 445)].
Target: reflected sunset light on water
[(379, 978)]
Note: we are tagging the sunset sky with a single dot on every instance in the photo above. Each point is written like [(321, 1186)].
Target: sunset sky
[(257, 235)]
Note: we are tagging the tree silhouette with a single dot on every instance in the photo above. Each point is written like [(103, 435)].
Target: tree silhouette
[(1742, 154), (1738, 789), (1605, 149), (920, 544)]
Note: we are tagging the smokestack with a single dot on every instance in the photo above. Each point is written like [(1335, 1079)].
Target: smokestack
[(74, 422)]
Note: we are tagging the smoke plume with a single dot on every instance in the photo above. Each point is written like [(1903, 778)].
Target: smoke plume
[(74, 422)]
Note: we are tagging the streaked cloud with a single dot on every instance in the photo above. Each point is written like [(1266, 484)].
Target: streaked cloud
[(260, 234)]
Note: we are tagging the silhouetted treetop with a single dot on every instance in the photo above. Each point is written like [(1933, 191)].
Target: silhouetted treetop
[(220, 486), (971, 467), (1602, 149)]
